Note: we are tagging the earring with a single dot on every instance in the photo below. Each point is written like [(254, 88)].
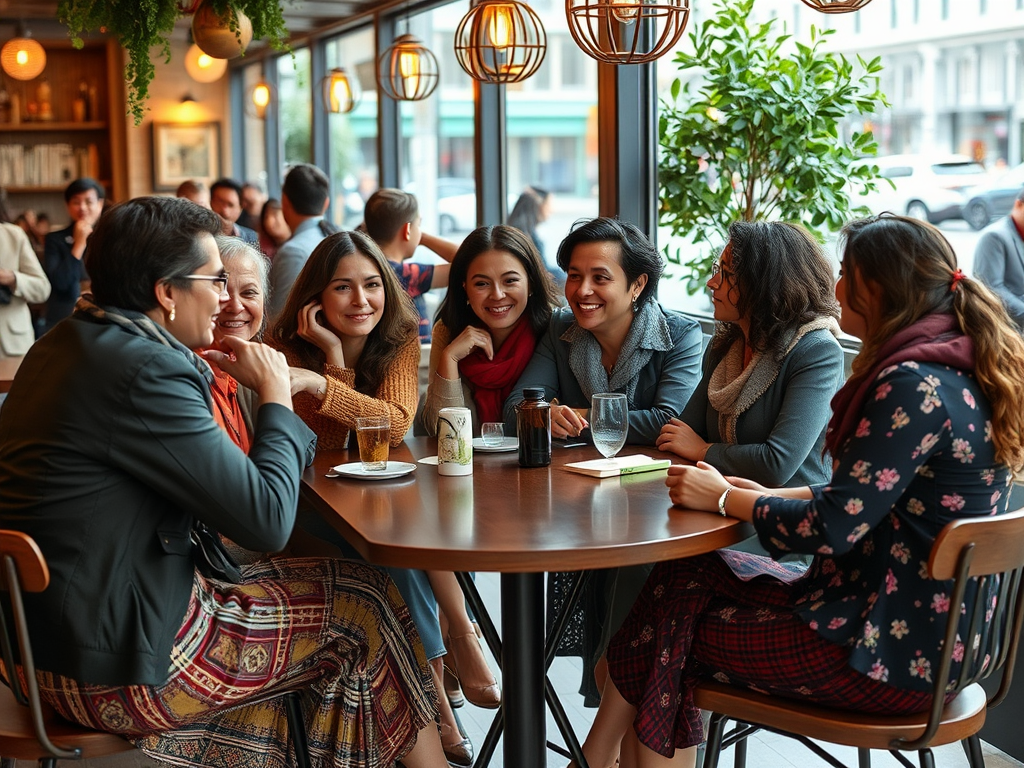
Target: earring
[(635, 307), (170, 317)]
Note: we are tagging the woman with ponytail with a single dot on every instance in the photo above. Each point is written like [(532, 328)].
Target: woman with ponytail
[(927, 430)]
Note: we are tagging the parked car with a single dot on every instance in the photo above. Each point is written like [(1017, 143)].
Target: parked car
[(456, 204), (929, 188), (994, 199)]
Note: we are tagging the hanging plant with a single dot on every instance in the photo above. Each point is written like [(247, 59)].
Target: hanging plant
[(141, 25)]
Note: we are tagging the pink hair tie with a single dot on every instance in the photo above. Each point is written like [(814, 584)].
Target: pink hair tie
[(957, 277)]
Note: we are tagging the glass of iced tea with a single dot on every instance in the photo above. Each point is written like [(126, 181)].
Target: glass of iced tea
[(373, 434)]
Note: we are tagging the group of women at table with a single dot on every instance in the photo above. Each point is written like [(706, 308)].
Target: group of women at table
[(110, 460)]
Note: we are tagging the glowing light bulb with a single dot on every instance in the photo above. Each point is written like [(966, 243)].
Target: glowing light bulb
[(21, 57), (341, 94), (261, 99), (627, 11), (409, 69), (204, 61), (499, 26)]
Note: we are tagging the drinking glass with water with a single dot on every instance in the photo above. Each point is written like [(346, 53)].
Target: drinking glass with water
[(609, 422)]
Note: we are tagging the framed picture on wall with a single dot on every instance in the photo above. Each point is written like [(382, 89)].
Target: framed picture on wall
[(183, 151)]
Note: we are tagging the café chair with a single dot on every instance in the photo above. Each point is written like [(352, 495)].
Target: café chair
[(989, 550), (29, 728)]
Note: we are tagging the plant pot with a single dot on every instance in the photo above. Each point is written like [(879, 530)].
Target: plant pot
[(213, 35)]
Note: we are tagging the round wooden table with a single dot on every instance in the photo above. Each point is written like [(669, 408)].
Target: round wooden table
[(521, 523)]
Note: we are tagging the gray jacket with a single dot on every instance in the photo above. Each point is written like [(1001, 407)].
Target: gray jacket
[(999, 263), (662, 389), (780, 437)]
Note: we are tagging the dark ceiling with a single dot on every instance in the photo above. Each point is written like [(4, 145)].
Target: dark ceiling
[(301, 16)]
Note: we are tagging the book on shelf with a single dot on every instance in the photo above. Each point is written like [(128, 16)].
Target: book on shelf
[(620, 465)]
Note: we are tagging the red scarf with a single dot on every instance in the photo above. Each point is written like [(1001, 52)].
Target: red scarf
[(491, 381), (934, 338)]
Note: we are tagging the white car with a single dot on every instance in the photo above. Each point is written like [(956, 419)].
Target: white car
[(929, 188), (456, 204)]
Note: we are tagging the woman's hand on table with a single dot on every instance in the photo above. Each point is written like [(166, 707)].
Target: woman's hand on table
[(312, 330), (305, 380), (566, 421), (463, 345), (698, 487), (679, 438), (256, 366)]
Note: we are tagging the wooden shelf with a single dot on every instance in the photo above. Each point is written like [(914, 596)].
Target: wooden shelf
[(44, 125)]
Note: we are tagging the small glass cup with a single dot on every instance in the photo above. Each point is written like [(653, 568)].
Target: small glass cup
[(492, 433), (373, 434)]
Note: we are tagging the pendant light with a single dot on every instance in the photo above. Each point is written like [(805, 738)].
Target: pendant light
[(202, 67), (407, 70), (22, 57), (340, 93), (260, 97), (626, 31), (837, 6), (500, 41)]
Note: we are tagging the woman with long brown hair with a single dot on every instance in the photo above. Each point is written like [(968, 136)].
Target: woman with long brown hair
[(926, 431)]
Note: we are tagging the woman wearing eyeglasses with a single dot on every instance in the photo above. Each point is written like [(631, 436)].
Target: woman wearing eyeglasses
[(110, 459), (772, 367)]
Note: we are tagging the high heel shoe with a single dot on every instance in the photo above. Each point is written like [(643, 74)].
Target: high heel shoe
[(459, 753), (461, 651)]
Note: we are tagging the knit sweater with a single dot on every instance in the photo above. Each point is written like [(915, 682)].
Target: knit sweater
[(396, 398)]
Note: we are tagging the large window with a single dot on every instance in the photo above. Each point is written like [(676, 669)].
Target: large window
[(296, 113), (255, 134), (352, 137)]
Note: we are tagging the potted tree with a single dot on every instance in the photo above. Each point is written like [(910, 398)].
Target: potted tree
[(754, 131), (140, 25)]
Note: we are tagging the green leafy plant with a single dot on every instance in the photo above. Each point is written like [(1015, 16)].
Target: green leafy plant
[(754, 133), (141, 25)]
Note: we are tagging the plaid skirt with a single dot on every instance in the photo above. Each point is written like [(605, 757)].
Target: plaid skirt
[(696, 620), (335, 630)]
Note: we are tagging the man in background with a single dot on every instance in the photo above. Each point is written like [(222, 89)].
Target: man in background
[(999, 260), (252, 204), (195, 191), (226, 202), (63, 250), (304, 197), (392, 219)]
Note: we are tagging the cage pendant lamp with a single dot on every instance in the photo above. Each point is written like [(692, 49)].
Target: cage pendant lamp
[(339, 92), (500, 41), (22, 57), (837, 6), (626, 31), (407, 70), (259, 98)]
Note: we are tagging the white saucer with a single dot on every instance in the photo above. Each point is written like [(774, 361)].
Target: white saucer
[(393, 469), (507, 444)]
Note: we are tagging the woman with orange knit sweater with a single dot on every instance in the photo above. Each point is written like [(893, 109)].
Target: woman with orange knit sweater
[(350, 334)]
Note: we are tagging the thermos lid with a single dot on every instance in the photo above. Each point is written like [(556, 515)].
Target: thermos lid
[(533, 393)]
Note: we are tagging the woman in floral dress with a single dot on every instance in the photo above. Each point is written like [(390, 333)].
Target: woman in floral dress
[(925, 431)]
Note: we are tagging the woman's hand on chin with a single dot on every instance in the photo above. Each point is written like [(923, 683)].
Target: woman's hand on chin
[(312, 330), (677, 437), (256, 366), (698, 487), (461, 347)]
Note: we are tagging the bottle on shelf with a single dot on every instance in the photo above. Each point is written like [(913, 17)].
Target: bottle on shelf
[(43, 95), (80, 106)]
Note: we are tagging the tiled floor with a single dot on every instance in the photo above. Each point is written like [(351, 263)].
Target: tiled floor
[(766, 750)]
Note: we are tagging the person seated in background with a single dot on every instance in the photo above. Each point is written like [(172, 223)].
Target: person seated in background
[(349, 333), (392, 218), (999, 259), (63, 250), (274, 230), (226, 202), (532, 208), (926, 431), (22, 281), (773, 365), (305, 195), (498, 304), (613, 337), (195, 191), (253, 199), (142, 634)]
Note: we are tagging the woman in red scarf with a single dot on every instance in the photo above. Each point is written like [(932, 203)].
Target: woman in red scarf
[(499, 300)]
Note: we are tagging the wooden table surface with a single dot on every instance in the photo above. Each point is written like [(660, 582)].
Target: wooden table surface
[(509, 519)]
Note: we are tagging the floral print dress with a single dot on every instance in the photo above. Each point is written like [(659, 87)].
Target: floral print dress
[(922, 456)]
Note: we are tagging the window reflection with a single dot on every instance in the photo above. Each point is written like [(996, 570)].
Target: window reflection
[(296, 111)]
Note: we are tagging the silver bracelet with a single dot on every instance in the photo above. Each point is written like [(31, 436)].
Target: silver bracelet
[(721, 501)]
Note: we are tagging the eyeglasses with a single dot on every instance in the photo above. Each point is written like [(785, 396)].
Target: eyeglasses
[(219, 281), (716, 268)]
